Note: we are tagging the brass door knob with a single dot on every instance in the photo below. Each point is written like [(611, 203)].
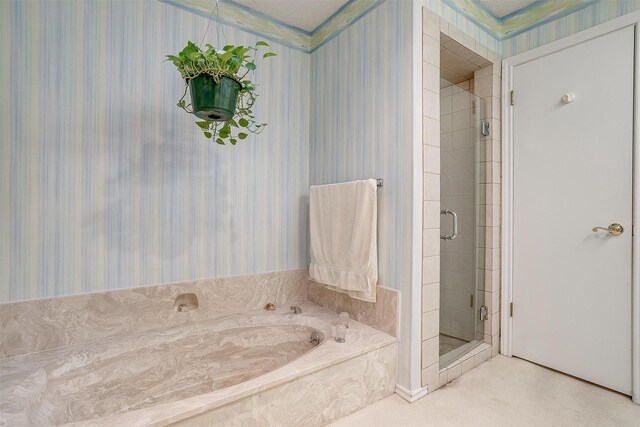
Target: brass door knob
[(614, 229)]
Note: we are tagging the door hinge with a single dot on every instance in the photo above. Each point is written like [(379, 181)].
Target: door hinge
[(511, 97), (511, 309), (484, 313)]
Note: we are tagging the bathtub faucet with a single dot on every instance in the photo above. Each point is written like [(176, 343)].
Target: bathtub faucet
[(295, 309)]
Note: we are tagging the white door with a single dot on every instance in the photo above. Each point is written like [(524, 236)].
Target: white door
[(572, 172)]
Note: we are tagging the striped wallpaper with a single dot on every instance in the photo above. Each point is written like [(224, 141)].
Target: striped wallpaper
[(539, 33), (597, 13), (519, 20), (464, 23), (105, 184), (245, 18), (361, 127)]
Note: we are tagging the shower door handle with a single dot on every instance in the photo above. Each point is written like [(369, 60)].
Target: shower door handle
[(455, 224)]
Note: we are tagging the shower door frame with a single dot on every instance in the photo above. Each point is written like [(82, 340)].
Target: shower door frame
[(427, 183), (508, 64), (479, 115)]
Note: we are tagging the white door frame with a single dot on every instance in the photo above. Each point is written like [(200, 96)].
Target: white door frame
[(508, 65)]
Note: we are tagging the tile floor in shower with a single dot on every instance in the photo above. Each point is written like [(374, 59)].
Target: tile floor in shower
[(448, 343)]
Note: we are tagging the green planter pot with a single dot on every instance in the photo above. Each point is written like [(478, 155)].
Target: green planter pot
[(214, 101)]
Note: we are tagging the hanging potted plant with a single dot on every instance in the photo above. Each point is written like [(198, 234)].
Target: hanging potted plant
[(221, 93)]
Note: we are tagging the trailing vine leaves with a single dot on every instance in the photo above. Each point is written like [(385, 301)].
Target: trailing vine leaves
[(235, 62)]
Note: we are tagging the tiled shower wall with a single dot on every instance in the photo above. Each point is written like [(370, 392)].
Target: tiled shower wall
[(457, 185), (487, 86)]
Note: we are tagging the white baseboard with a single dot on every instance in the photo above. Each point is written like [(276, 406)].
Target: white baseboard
[(411, 395)]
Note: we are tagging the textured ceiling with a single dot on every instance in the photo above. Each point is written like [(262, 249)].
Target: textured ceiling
[(304, 14), (501, 8)]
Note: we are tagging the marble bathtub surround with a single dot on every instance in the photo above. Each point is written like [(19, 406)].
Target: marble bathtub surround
[(77, 383), (35, 325), (382, 315), (30, 384), (346, 388)]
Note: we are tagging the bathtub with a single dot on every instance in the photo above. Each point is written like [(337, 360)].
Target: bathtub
[(238, 369)]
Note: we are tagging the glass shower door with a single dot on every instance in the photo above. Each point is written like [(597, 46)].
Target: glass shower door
[(462, 222)]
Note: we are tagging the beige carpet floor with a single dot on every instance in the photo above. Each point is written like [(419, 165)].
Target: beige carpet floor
[(505, 392)]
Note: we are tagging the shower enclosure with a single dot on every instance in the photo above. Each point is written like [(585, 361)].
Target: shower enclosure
[(463, 122)]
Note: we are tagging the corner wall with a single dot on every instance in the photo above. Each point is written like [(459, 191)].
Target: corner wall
[(361, 127)]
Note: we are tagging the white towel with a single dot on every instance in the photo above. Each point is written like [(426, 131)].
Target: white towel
[(344, 251)]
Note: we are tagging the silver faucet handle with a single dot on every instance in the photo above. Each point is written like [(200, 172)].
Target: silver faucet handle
[(295, 309)]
